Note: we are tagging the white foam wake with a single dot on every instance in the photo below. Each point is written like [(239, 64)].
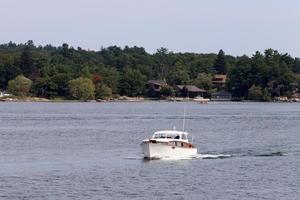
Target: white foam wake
[(213, 156), (198, 156)]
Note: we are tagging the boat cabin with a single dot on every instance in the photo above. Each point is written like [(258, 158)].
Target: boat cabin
[(170, 135)]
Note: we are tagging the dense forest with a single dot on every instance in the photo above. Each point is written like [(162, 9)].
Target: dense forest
[(66, 72)]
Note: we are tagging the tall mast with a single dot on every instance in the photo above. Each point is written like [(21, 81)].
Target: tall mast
[(183, 124)]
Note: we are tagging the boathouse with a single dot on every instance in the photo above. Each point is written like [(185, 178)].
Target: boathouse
[(221, 96)]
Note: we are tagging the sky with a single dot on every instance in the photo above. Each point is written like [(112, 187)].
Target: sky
[(201, 26)]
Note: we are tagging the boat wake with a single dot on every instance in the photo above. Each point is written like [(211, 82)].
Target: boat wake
[(271, 154), (257, 153), (213, 156), (198, 156)]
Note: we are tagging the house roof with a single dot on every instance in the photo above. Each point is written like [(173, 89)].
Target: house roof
[(219, 78), (158, 82), (191, 88)]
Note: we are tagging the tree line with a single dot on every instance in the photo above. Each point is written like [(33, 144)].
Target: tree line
[(76, 73)]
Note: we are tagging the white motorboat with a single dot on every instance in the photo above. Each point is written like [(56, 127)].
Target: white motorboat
[(201, 99), (168, 144)]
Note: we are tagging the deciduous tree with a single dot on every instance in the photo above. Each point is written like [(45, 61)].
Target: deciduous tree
[(20, 86), (82, 89)]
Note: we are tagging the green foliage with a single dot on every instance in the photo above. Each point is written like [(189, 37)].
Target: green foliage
[(179, 74), (220, 64), (45, 87), (167, 91), (126, 70), (266, 96), (53, 86), (27, 61), (204, 81), (111, 78), (132, 83), (8, 72), (240, 81), (103, 92), (255, 93), (259, 94), (20, 86), (272, 72), (82, 89)]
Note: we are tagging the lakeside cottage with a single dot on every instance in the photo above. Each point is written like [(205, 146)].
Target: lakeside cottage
[(190, 91), (156, 85), (219, 80)]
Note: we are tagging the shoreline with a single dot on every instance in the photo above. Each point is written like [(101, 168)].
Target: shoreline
[(133, 99)]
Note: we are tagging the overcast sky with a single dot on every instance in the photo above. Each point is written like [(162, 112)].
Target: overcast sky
[(236, 26)]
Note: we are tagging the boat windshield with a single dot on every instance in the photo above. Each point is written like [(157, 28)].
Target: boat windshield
[(165, 135)]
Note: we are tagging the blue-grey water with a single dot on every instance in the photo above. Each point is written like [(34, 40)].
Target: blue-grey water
[(91, 151)]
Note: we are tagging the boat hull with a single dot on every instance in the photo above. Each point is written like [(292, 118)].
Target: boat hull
[(160, 150)]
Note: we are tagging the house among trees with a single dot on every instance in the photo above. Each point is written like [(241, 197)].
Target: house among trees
[(190, 91), (219, 80), (221, 96), (154, 87)]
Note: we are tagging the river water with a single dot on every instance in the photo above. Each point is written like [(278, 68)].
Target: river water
[(91, 151)]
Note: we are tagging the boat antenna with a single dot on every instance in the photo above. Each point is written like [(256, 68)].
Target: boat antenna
[(183, 123)]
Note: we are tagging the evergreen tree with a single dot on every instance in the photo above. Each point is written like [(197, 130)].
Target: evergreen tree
[(27, 62), (220, 65)]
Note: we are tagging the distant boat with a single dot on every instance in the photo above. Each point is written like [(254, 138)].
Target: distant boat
[(168, 144), (201, 99)]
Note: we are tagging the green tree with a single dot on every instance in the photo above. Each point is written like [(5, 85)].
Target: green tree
[(85, 72), (204, 81), (240, 80), (255, 93), (296, 66), (45, 87), (266, 96), (82, 89), (111, 79), (103, 92), (179, 75), (20, 86), (162, 63), (61, 80), (132, 83), (27, 61), (8, 72), (220, 64), (167, 91)]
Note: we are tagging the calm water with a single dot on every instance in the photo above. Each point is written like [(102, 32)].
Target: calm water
[(91, 151)]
